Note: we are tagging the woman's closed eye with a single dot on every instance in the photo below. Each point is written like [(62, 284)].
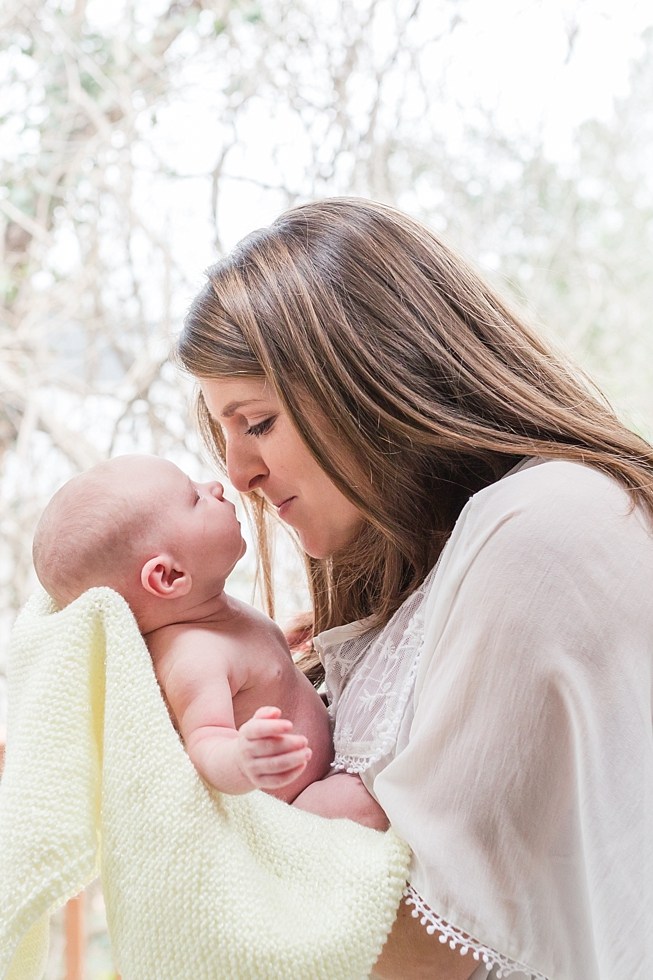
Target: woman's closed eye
[(261, 427)]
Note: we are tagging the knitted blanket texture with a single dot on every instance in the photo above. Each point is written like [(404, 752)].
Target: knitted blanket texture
[(198, 885)]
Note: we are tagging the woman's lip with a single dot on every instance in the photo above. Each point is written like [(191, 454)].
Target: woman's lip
[(283, 506)]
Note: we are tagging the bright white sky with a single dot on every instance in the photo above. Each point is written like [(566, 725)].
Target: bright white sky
[(541, 66), (555, 62), (546, 65)]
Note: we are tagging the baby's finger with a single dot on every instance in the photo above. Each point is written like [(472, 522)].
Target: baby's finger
[(265, 728), (274, 765), (276, 781), (267, 711), (281, 745)]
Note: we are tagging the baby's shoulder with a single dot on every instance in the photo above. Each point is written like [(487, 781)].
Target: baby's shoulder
[(231, 643), (250, 624), (184, 643), (250, 614)]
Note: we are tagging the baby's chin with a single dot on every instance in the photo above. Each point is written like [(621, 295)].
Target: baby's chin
[(240, 555)]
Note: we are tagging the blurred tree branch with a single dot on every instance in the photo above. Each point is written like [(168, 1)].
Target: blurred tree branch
[(300, 99)]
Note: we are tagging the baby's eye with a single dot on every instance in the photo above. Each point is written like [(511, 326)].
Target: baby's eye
[(261, 427)]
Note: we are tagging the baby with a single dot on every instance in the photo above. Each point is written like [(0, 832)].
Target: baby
[(167, 544)]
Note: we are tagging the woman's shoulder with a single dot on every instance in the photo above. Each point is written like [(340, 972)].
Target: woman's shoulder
[(563, 497), (552, 551), (552, 513), (539, 480)]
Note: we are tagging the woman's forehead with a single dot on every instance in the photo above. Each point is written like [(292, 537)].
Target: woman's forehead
[(225, 396)]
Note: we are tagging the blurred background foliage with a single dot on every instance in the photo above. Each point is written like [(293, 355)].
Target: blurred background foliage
[(139, 139)]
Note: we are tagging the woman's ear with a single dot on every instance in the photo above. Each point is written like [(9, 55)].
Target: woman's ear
[(162, 578)]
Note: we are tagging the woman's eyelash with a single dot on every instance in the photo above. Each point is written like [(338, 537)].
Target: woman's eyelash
[(261, 427)]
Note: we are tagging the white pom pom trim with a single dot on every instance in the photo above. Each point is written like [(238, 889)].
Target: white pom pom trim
[(456, 937)]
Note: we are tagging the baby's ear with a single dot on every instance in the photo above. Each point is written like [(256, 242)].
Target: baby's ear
[(162, 578)]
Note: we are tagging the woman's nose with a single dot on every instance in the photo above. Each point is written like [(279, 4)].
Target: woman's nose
[(246, 470)]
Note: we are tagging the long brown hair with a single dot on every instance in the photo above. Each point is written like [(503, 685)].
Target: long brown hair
[(433, 386)]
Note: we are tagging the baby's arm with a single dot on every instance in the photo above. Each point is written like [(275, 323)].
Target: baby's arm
[(195, 677), (262, 754), (343, 795)]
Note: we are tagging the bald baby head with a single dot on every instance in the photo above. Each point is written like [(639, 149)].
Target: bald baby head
[(141, 526), (94, 532)]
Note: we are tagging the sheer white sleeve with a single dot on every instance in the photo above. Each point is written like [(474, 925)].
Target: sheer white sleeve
[(505, 726), (526, 786), (495, 963)]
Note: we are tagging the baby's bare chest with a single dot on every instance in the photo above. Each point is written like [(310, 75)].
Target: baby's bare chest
[(250, 654), (268, 681)]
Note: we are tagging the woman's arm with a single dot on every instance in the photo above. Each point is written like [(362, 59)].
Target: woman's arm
[(410, 953)]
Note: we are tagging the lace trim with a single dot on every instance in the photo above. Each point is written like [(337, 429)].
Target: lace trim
[(360, 763), (355, 763), (456, 937)]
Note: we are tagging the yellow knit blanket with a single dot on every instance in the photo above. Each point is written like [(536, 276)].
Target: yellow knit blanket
[(199, 885)]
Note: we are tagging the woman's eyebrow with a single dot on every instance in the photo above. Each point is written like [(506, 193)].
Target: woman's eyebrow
[(234, 406)]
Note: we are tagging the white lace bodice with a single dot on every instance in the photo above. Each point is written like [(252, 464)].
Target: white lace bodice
[(370, 676)]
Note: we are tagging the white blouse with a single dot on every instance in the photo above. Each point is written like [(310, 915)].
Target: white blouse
[(503, 720)]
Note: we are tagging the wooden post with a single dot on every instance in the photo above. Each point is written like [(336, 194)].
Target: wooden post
[(75, 928)]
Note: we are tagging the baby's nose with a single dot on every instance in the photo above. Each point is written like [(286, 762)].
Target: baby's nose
[(216, 489)]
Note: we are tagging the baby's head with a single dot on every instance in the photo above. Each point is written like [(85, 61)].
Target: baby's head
[(144, 528)]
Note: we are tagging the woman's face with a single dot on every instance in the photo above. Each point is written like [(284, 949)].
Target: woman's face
[(265, 452)]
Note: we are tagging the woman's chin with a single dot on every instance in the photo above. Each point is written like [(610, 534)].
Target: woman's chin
[(323, 546), (313, 546), (314, 552)]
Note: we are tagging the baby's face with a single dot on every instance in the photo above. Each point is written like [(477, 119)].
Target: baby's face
[(192, 520)]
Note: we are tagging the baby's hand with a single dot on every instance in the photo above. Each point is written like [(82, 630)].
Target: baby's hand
[(268, 754)]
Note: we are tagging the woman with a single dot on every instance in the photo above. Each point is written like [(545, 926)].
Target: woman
[(462, 492)]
